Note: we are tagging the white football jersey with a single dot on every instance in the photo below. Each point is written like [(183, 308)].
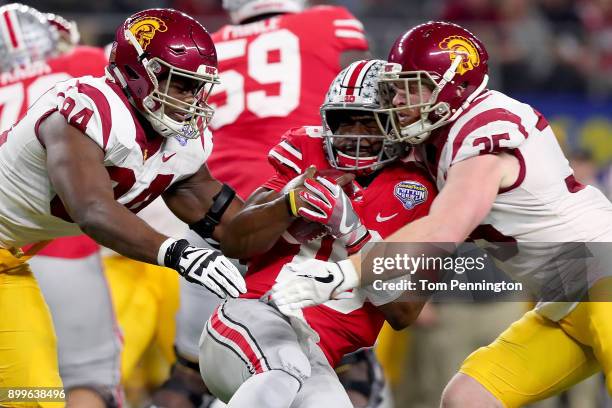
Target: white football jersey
[(140, 168), (544, 205)]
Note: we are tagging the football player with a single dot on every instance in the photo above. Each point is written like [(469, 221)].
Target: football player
[(49, 53), (314, 209), (274, 70), (90, 153), (503, 154)]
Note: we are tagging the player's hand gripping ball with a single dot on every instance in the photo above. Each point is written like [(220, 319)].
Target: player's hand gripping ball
[(308, 226)]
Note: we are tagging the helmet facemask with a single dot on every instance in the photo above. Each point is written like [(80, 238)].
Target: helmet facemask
[(68, 32), (159, 106), (421, 90), (361, 154)]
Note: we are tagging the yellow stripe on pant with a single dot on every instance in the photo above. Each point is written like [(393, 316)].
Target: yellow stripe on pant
[(28, 351)]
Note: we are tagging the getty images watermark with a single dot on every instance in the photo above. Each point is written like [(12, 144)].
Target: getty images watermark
[(410, 265), (523, 271)]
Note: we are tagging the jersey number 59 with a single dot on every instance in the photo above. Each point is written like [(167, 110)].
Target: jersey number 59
[(284, 69)]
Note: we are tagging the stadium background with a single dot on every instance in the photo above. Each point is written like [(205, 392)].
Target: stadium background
[(553, 54)]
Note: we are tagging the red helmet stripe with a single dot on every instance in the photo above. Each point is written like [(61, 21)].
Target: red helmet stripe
[(9, 21), (354, 76)]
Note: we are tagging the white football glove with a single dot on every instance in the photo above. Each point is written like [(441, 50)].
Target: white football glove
[(204, 266), (314, 282)]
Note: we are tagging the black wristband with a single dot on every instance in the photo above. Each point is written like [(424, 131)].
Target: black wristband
[(174, 252)]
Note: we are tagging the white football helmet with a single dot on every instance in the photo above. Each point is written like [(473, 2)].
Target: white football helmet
[(25, 36), (240, 10), (68, 31), (355, 91)]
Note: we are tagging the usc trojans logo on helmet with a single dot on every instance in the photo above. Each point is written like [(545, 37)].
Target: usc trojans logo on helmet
[(145, 28), (457, 44)]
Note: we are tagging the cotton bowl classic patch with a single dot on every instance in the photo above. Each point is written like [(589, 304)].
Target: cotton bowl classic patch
[(410, 193)]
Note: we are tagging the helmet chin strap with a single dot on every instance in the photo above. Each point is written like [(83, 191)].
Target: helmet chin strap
[(360, 163), (128, 34), (470, 98), (141, 55), (176, 130), (450, 72), (415, 132)]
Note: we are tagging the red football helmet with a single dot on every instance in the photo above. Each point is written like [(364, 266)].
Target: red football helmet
[(445, 58), (157, 44)]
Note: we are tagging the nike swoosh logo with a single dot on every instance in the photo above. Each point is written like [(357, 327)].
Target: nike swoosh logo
[(166, 158), (344, 229), (327, 279), (380, 218)]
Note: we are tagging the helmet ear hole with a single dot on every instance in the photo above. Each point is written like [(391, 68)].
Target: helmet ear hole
[(131, 73)]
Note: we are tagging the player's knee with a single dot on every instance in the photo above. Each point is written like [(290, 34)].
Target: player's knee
[(295, 362), (465, 392)]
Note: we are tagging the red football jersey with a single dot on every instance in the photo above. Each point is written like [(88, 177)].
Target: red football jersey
[(22, 86), (274, 76), (399, 194)]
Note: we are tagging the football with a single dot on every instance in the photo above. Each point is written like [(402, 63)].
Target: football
[(302, 230)]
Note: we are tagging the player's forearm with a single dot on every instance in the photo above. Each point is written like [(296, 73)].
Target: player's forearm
[(428, 236), (256, 228), (113, 226)]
